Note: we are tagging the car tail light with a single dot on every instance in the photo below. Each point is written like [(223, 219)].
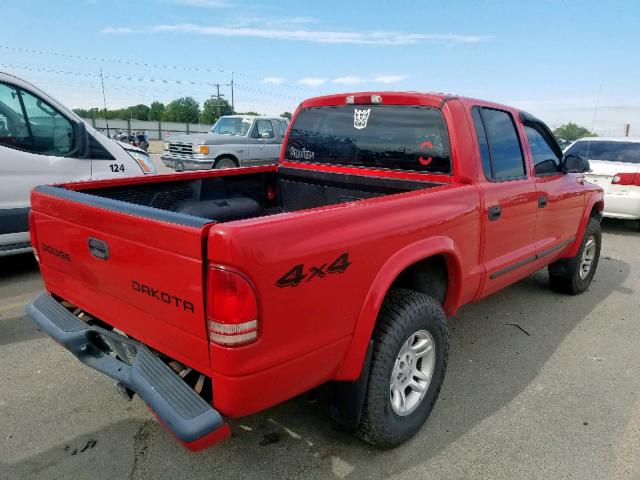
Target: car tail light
[(232, 308), (626, 179), (32, 234)]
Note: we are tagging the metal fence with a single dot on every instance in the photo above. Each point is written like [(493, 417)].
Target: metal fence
[(155, 130)]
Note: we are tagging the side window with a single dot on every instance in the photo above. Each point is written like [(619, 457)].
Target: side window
[(280, 127), (52, 134), (14, 131), (546, 158), (28, 123), (264, 129), (482, 143), (507, 161)]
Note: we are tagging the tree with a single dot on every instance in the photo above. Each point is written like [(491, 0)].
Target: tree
[(572, 131), (286, 115), (254, 114), (156, 111), (184, 110), (212, 109), (138, 112)]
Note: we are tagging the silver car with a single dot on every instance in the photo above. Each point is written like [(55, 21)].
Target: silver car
[(234, 141)]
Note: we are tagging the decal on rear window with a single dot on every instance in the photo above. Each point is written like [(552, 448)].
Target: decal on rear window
[(360, 118)]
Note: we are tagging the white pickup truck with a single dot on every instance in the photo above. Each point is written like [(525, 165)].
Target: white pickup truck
[(233, 141)]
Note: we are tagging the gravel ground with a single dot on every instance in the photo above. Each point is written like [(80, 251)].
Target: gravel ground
[(540, 385)]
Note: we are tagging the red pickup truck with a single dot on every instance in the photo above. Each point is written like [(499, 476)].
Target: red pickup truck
[(221, 293)]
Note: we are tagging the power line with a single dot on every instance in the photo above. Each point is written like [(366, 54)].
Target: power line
[(146, 79), (147, 65)]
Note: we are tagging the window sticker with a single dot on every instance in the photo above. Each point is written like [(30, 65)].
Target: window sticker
[(360, 118), (301, 153)]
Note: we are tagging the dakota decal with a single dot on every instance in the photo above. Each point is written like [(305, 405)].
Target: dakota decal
[(163, 297)]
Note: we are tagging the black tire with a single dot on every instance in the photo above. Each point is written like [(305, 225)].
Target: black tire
[(564, 275), (225, 162), (403, 313)]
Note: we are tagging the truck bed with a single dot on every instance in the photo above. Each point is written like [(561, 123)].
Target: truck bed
[(241, 196)]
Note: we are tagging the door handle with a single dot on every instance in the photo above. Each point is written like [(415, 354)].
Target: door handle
[(98, 248), (542, 201), (495, 212)]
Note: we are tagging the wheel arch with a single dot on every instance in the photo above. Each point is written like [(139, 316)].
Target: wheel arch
[(442, 249), (593, 209), (230, 156)]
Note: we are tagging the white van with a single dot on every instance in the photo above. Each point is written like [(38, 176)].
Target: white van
[(41, 142)]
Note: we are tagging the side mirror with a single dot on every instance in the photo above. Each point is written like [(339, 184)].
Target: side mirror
[(575, 164)]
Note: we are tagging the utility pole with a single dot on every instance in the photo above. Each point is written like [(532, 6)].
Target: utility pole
[(217, 85), (627, 128)]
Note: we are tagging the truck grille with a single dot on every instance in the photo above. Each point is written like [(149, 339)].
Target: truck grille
[(181, 148)]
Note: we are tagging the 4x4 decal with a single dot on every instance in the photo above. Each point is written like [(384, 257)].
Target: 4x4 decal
[(297, 274)]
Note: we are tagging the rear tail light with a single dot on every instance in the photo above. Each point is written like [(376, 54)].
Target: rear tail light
[(32, 234), (626, 179), (232, 308)]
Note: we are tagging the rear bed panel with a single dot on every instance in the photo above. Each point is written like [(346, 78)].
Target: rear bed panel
[(150, 286)]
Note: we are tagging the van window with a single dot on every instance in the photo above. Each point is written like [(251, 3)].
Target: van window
[(374, 136), (33, 125), (14, 132)]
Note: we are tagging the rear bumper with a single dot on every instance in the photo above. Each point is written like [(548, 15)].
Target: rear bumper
[(625, 206), (182, 164), (190, 418)]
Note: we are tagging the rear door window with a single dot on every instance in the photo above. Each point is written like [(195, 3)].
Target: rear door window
[(377, 136), (500, 147), (608, 151)]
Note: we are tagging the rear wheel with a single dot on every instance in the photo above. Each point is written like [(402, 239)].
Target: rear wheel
[(225, 162), (407, 367), (574, 275)]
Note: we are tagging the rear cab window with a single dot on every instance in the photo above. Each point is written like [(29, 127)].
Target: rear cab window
[(374, 136), (605, 150)]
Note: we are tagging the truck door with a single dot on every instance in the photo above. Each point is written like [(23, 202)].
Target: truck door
[(510, 202), (264, 148), (36, 147), (560, 203)]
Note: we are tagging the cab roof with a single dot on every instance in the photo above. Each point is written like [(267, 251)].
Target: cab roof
[(430, 99)]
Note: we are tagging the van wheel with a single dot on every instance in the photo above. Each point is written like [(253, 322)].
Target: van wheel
[(574, 275), (225, 162), (408, 365)]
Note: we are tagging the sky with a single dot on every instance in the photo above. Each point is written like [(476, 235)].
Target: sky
[(560, 60)]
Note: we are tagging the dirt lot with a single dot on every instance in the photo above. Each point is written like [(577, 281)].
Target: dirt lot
[(539, 385)]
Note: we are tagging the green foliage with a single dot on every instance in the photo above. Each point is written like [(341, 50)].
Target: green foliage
[(184, 110), (572, 131), (286, 115), (255, 114), (156, 111), (212, 109)]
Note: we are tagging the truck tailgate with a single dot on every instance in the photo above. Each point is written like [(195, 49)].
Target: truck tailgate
[(136, 268)]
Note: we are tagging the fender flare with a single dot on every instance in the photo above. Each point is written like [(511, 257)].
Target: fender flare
[(593, 201), (439, 245)]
